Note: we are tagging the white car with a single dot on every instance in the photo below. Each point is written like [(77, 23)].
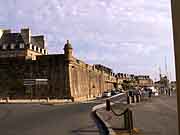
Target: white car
[(156, 94), (106, 94)]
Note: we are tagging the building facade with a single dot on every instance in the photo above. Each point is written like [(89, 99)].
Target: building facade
[(21, 44), (134, 80), (28, 71)]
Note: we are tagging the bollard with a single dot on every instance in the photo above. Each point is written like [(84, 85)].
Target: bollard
[(135, 100), (108, 106), (7, 100), (72, 99), (129, 99), (138, 98), (169, 92), (132, 99), (47, 99), (128, 120)]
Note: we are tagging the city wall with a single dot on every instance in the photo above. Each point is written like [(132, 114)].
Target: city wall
[(87, 81)]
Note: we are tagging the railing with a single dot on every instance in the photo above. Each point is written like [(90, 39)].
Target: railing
[(127, 114)]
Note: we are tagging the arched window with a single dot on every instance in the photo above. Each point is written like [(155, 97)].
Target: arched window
[(21, 45), (12, 46), (4, 47)]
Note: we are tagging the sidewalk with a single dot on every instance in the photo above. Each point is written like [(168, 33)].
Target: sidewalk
[(156, 116)]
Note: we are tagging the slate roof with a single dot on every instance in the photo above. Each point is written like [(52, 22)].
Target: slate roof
[(9, 38)]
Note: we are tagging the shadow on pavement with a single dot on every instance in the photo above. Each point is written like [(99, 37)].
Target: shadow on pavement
[(92, 129), (89, 130)]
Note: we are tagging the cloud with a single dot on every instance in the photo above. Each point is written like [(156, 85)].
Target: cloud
[(126, 35)]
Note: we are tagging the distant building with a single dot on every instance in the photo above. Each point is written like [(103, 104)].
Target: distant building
[(28, 71), (135, 80), (144, 81), (22, 45), (163, 84)]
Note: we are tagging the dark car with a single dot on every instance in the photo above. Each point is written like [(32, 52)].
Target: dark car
[(113, 92)]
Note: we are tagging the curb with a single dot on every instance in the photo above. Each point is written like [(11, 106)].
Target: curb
[(110, 130), (106, 125), (101, 125)]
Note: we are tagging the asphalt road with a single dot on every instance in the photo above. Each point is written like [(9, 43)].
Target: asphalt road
[(35, 119)]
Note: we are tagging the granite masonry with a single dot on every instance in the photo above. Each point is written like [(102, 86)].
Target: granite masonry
[(28, 71)]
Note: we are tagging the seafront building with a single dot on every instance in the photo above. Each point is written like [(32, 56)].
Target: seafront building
[(28, 71)]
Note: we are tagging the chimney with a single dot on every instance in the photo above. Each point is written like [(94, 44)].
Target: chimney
[(38, 40), (6, 31), (1, 32), (26, 34)]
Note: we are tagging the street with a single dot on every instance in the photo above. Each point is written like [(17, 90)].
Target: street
[(28, 119), (34, 119), (155, 116), (68, 119)]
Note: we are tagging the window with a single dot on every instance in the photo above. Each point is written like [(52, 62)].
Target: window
[(12, 46), (21, 45), (30, 46), (78, 61), (4, 47), (34, 48), (42, 51)]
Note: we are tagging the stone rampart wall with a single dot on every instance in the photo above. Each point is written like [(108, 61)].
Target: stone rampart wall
[(87, 81)]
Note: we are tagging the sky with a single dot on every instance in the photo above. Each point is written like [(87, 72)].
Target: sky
[(129, 36)]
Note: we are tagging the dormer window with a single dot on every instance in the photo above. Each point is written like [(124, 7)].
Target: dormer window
[(43, 51), (30, 46), (12, 46), (21, 45), (4, 47), (34, 48)]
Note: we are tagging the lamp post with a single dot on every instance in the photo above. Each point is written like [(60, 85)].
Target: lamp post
[(175, 5)]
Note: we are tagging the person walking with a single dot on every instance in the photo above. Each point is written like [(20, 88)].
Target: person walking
[(150, 93)]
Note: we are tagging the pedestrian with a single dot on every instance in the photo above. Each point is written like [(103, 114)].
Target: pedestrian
[(150, 93)]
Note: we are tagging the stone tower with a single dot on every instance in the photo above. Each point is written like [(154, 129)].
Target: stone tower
[(68, 51), (68, 65)]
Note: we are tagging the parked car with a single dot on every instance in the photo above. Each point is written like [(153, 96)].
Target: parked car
[(113, 92), (121, 91), (156, 94), (106, 94), (118, 91)]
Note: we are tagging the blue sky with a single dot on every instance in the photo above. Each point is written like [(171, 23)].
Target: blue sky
[(131, 36)]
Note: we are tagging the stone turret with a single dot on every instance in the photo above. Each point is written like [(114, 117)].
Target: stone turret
[(68, 51), (68, 61)]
